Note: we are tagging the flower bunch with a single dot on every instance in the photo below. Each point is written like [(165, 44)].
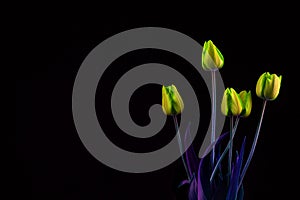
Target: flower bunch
[(211, 179)]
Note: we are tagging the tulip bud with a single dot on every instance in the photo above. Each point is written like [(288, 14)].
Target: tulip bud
[(247, 103), (268, 86), (172, 103), (231, 103), (212, 59)]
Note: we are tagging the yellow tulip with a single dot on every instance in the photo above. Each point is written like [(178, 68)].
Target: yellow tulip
[(172, 103), (268, 86), (212, 58), (231, 103)]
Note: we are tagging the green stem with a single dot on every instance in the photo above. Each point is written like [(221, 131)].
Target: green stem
[(253, 144), (230, 146), (225, 151), (180, 145), (213, 114)]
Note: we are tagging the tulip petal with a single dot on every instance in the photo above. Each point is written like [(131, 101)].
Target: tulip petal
[(166, 101), (221, 59), (246, 100), (260, 85), (236, 106), (224, 104), (177, 100)]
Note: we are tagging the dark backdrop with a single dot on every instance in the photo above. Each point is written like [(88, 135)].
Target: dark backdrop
[(52, 163)]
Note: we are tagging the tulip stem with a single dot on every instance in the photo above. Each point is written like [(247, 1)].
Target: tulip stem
[(253, 144), (180, 145), (213, 114), (230, 146), (225, 151)]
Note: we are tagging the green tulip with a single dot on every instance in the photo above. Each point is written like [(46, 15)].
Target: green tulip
[(172, 103), (212, 59), (268, 86), (231, 103), (247, 103)]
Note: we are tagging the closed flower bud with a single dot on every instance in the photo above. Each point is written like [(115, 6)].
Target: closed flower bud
[(172, 103), (247, 103), (231, 103), (212, 59), (268, 86)]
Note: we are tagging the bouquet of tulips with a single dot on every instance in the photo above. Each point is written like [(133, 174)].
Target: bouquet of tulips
[(214, 177)]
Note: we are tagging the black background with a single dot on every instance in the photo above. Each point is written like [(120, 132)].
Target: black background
[(52, 163)]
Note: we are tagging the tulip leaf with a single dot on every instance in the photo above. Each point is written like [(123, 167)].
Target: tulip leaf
[(193, 190), (200, 189), (240, 195), (204, 172), (235, 175), (220, 192), (183, 183)]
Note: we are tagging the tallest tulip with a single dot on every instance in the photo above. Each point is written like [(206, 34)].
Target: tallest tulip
[(212, 58)]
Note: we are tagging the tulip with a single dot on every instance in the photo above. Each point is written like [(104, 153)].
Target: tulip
[(231, 103), (247, 103), (172, 103), (212, 59), (268, 86)]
